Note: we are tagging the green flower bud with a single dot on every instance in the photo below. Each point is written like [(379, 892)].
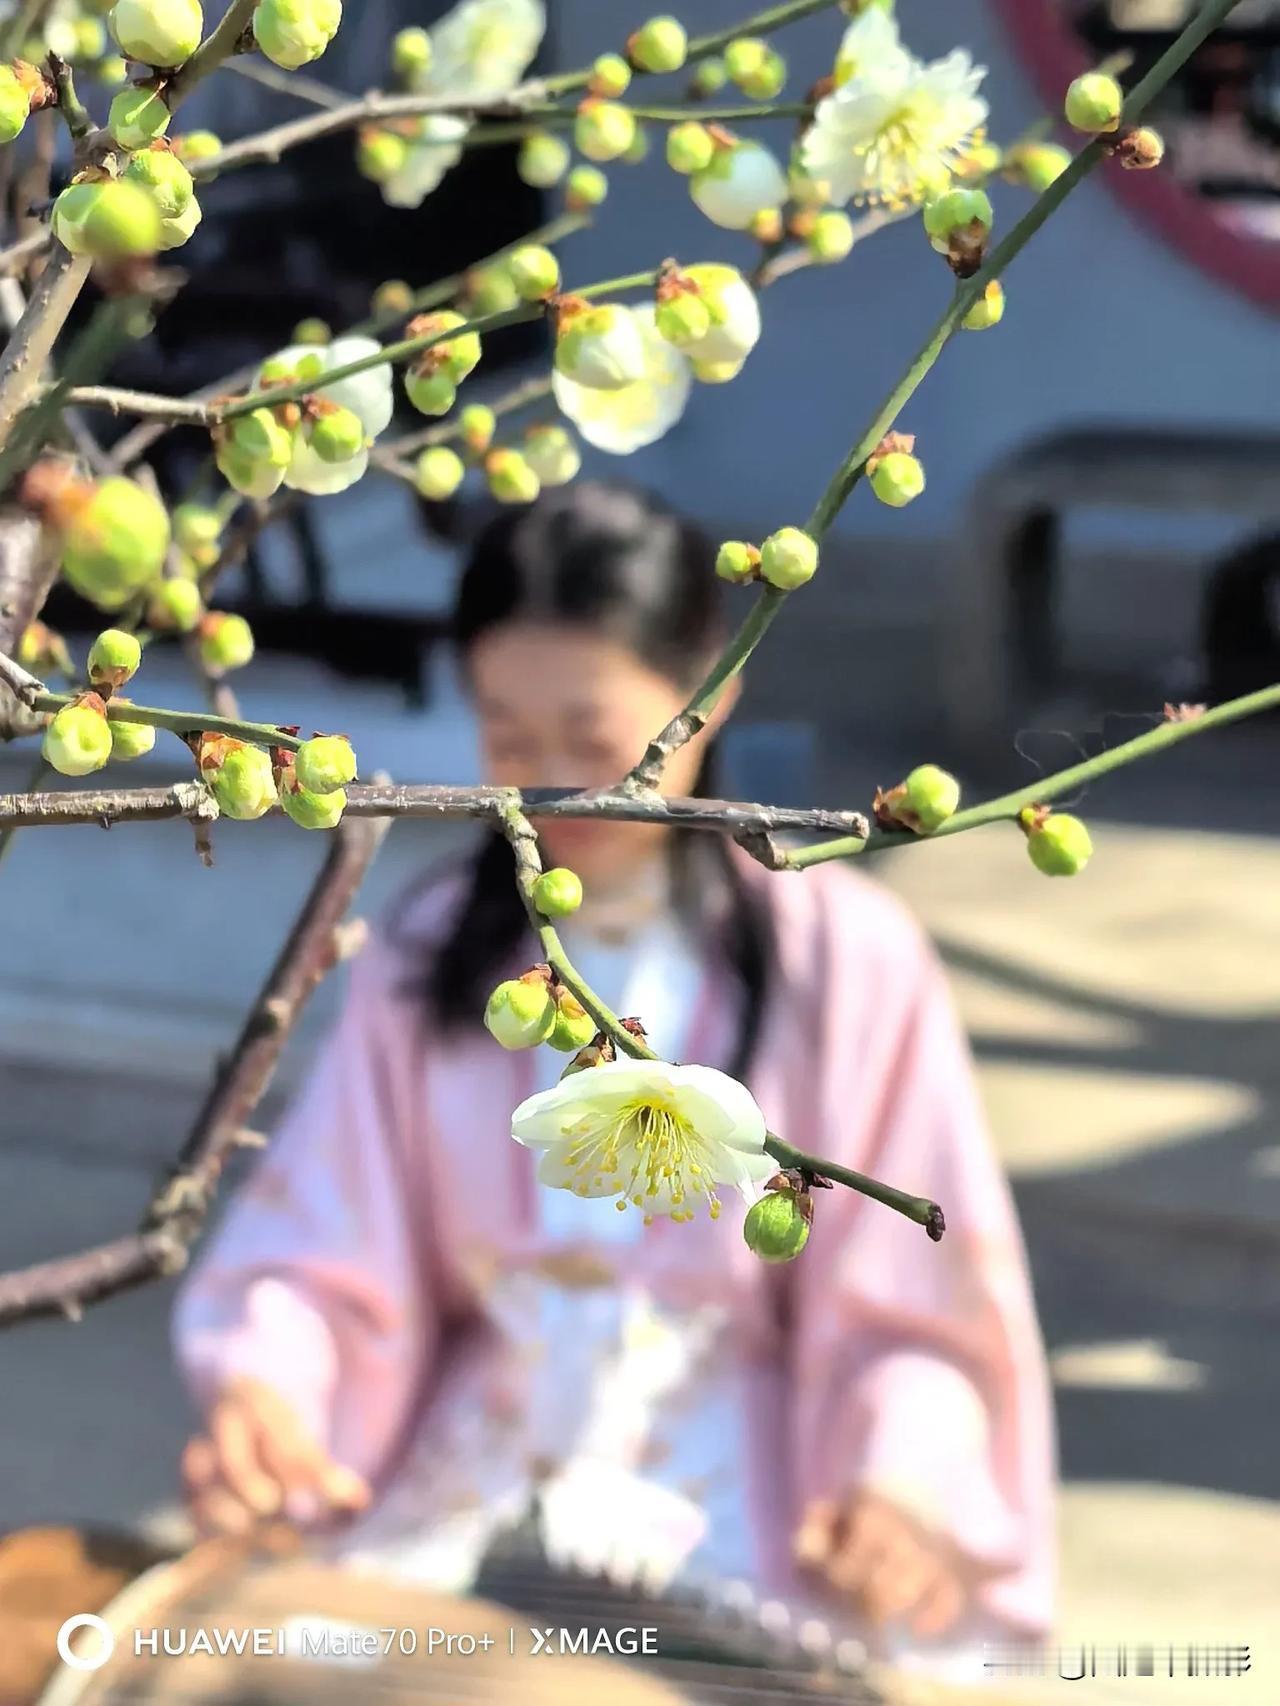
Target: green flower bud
[(380, 154), (411, 54), (312, 811), (114, 658), (456, 356), (313, 331), (164, 175), (260, 436), (574, 1028), (294, 32), (176, 231), (585, 187), (430, 393), (737, 562), (767, 80), (478, 423), (690, 147), (78, 740), (44, 652), (543, 159), (157, 32), (337, 436), (830, 237), (324, 763), (535, 272), (788, 558), (552, 454), (439, 473), (197, 145), (1059, 844), (1094, 103), (603, 130), (175, 606), (511, 479), (745, 56), (248, 475), (897, 479), (138, 117), (129, 740), (557, 893), (980, 160), (709, 76), (931, 796), (107, 220), (15, 104), (393, 296), (491, 290), (112, 71), (683, 319), (114, 542), (955, 212), (226, 641), (521, 1013), (242, 783), (610, 76), (776, 1228), (658, 46), (988, 310)]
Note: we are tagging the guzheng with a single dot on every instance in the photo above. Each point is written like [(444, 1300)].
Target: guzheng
[(717, 1647)]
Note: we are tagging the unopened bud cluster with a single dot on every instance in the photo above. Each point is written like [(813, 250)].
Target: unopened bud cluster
[(786, 560)]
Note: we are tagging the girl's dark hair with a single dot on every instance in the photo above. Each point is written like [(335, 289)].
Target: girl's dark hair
[(617, 561)]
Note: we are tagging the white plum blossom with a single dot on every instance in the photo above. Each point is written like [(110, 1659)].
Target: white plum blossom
[(369, 395), (742, 180), (435, 150), (638, 414), (894, 128), (659, 1137), (734, 311), (479, 50)]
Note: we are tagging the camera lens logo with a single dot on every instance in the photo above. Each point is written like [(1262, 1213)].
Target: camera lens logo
[(98, 1652)]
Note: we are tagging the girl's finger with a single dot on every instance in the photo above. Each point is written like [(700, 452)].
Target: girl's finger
[(239, 1459)]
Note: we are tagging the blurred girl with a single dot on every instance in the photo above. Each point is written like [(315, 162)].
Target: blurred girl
[(398, 1326)]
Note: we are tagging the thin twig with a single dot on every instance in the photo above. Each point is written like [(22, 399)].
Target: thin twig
[(182, 1199), (287, 82), (514, 823)]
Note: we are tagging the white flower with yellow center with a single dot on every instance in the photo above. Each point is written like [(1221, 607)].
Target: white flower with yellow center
[(369, 395), (894, 129), (479, 50), (656, 1136), (634, 415)]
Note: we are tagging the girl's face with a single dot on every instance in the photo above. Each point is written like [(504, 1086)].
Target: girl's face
[(566, 707)]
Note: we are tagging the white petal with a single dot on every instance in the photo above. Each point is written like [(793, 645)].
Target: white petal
[(627, 419), (719, 1108), (437, 150), (369, 395), (308, 472), (482, 47)]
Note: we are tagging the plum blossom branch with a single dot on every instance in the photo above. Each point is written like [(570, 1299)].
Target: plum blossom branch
[(434, 801), (180, 1203), (769, 601), (514, 822)]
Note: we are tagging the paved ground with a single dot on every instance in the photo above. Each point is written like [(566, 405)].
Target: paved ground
[(1125, 1028)]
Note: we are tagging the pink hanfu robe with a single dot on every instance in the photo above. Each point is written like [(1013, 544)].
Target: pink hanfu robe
[(387, 1270)]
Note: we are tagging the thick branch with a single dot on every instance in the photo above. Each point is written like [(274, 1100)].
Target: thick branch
[(181, 1201), (25, 355), (104, 807)]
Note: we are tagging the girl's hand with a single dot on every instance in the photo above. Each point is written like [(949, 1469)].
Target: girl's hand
[(258, 1461), (879, 1556)]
